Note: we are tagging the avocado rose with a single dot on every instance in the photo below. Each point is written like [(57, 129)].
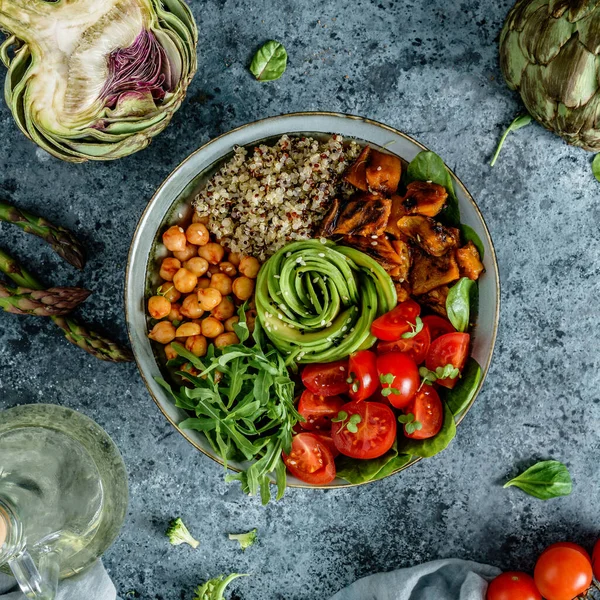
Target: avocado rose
[(316, 300)]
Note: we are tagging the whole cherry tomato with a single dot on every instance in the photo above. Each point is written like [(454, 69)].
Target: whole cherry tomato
[(513, 585)]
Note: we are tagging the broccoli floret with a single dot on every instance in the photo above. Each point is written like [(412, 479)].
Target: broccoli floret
[(214, 588), (178, 534), (245, 539)]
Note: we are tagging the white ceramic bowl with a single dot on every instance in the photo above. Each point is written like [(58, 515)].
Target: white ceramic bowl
[(169, 205)]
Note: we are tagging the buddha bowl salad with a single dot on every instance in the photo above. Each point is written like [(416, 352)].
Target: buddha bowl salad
[(315, 314)]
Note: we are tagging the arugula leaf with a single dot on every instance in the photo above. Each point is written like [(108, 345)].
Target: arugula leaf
[(428, 166), (519, 122), (470, 235), (431, 446), (269, 62), (357, 471), (458, 303), (544, 480), (461, 395)]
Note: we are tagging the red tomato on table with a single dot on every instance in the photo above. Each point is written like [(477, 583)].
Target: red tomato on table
[(448, 349), (327, 379), (596, 560), (428, 411), (318, 410), (363, 372), (370, 434), (416, 347), (398, 372), (513, 585), (393, 324), (310, 460)]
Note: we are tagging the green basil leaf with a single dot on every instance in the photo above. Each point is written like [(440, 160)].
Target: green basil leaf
[(519, 122), (458, 303), (470, 235), (596, 167), (458, 398), (269, 62), (544, 480), (428, 166), (431, 446)]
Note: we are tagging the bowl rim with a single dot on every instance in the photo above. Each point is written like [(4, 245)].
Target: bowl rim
[(202, 148)]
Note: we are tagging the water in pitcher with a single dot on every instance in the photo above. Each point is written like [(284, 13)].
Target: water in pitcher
[(56, 488)]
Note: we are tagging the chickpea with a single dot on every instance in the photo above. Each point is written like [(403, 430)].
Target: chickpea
[(189, 252), (209, 298), (203, 283), (229, 323), (213, 270), (211, 327), (197, 321), (170, 352), (159, 307), (168, 268), (251, 319), (188, 329), (174, 239), (224, 310), (185, 281), (228, 268), (163, 332), (198, 266), (196, 344), (212, 252), (196, 218), (243, 287), (190, 307), (175, 314), (197, 234), (226, 339), (221, 282), (234, 258), (169, 292), (249, 267)]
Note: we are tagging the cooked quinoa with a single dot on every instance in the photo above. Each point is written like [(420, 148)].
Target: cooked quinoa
[(263, 199)]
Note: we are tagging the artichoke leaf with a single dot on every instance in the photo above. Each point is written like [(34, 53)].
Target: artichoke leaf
[(543, 38), (535, 97), (512, 59), (589, 32), (522, 10)]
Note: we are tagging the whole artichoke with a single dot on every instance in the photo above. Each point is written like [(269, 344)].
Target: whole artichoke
[(550, 53), (96, 79)]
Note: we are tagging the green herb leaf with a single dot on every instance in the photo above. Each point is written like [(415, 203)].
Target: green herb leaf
[(269, 62), (386, 378), (459, 397), (416, 328), (519, 122), (544, 480), (596, 167), (341, 417), (449, 371), (431, 446), (459, 301), (470, 235)]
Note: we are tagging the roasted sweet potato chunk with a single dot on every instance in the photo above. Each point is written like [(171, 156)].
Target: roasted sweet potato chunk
[(430, 272), (392, 256), (436, 300), (402, 290), (469, 261), (424, 198), (396, 213), (428, 234), (364, 214), (383, 173), (330, 220), (356, 174)]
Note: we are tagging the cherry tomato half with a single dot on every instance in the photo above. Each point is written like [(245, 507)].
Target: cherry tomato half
[(398, 372), (563, 571), (374, 433), (363, 372), (416, 347), (513, 585), (428, 410), (438, 326), (448, 349), (393, 324), (310, 460), (318, 410), (327, 379), (325, 437)]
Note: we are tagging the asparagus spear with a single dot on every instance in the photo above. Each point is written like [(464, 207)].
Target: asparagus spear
[(55, 301), (75, 332), (63, 242)]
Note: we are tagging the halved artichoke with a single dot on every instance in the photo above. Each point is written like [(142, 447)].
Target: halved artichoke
[(550, 53), (96, 79)]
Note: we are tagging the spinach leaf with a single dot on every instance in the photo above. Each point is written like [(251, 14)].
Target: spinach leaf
[(544, 480), (269, 62), (431, 446), (356, 471), (458, 398), (470, 235), (519, 122), (461, 297), (596, 167), (428, 166)]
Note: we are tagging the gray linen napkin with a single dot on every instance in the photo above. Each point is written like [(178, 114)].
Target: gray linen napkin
[(93, 584), (449, 579)]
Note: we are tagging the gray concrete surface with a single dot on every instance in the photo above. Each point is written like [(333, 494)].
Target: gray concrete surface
[(431, 70)]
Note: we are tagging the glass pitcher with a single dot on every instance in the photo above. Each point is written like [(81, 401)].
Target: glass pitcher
[(63, 495)]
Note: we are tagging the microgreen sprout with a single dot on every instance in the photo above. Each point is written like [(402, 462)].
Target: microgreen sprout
[(430, 377), (354, 383), (163, 292), (388, 379), (415, 328), (349, 422), (410, 425)]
